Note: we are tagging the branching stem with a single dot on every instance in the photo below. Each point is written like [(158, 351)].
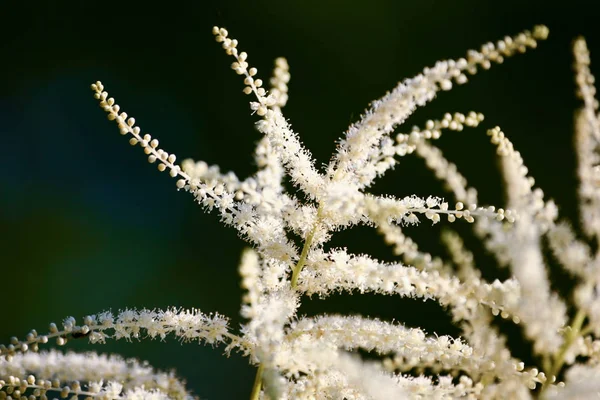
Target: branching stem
[(573, 332)]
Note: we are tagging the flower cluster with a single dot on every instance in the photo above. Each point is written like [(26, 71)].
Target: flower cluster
[(316, 357)]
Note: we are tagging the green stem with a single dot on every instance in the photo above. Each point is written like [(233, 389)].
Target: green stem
[(586, 331), (296, 271), (254, 395), (573, 332), (305, 249), (302, 259)]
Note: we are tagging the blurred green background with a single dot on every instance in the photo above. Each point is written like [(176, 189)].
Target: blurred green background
[(88, 225)]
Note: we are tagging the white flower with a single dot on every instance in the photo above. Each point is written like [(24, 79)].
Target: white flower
[(302, 357)]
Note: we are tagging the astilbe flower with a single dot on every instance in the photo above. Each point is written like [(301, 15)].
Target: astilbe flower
[(313, 357)]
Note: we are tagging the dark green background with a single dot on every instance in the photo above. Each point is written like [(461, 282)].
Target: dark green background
[(87, 225)]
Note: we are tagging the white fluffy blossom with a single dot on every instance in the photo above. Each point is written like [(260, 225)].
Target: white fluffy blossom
[(320, 357)]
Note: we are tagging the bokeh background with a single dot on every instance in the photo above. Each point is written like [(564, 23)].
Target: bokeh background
[(88, 225)]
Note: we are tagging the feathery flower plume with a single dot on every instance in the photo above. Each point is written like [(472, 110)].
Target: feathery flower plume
[(316, 357)]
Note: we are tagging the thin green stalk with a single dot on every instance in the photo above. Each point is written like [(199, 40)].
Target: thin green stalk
[(254, 395), (305, 250), (571, 335), (300, 264), (296, 271)]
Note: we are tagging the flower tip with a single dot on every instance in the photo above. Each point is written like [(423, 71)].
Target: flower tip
[(97, 86), (541, 32)]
